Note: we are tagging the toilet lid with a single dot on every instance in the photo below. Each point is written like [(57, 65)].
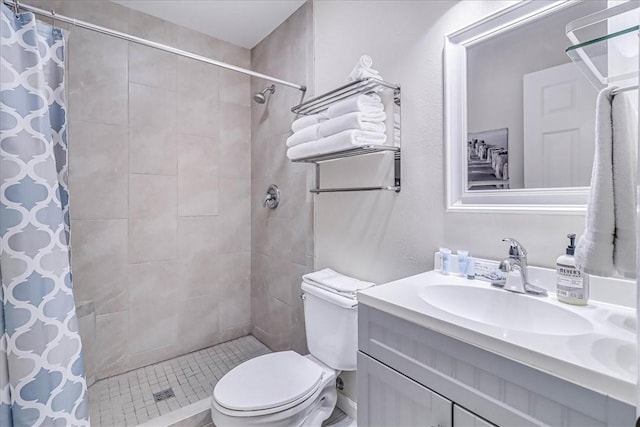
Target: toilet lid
[(268, 382)]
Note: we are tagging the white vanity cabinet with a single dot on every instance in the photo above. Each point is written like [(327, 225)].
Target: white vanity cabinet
[(410, 375)]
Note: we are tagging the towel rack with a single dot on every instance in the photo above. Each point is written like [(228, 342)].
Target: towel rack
[(322, 102), (366, 85)]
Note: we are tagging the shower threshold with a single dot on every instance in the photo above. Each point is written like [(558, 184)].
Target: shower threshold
[(183, 384)]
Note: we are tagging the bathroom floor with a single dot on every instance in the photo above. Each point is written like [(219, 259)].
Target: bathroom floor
[(128, 399)]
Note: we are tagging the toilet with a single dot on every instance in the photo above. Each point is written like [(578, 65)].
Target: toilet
[(285, 388)]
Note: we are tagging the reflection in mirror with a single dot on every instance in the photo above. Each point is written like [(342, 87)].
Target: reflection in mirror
[(530, 110), (488, 159)]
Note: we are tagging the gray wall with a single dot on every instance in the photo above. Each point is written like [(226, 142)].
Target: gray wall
[(281, 239), (396, 235), (160, 187)]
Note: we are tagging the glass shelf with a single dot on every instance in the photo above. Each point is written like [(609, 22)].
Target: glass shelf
[(605, 45)]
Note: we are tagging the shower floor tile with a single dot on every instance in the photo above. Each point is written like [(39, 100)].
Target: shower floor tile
[(128, 399)]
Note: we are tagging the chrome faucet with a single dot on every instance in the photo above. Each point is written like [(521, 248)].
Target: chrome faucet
[(517, 262)]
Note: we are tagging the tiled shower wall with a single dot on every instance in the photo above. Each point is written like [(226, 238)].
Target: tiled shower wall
[(282, 239), (160, 185)]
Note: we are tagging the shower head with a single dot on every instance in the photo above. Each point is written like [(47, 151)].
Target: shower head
[(261, 97)]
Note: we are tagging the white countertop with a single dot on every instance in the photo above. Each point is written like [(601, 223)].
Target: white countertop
[(602, 358)]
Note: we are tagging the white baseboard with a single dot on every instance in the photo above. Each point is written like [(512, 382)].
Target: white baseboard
[(347, 405)]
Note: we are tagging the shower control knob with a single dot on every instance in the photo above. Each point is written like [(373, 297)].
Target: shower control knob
[(272, 199)]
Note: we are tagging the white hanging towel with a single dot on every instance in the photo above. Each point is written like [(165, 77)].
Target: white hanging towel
[(333, 281), (625, 140), (370, 103), (594, 250), (339, 141), (608, 242)]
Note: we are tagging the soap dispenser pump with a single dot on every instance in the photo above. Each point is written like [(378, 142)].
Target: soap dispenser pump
[(572, 284)]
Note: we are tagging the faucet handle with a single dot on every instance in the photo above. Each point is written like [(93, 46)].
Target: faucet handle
[(516, 250)]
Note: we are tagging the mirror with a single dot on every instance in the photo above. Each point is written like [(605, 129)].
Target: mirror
[(519, 114)]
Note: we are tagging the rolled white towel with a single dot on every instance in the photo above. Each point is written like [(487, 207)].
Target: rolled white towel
[(365, 61), (370, 103), (306, 121), (339, 141), (363, 69), (307, 134), (332, 280), (373, 122), (363, 73)]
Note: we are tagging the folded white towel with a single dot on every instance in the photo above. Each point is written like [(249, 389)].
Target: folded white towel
[(307, 134), (339, 141), (363, 70), (625, 141), (370, 103), (306, 121), (594, 250), (373, 122), (334, 281)]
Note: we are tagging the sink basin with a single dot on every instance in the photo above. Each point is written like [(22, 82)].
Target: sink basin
[(617, 355), (626, 322), (505, 309)]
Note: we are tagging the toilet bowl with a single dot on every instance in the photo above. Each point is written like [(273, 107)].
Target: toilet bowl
[(285, 388), (277, 389)]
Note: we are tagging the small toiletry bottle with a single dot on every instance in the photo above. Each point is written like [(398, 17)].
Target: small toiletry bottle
[(445, 260), (463, 257), (573, 284), (471, 269)]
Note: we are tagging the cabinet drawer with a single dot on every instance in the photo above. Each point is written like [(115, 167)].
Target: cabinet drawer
[(388, 398)]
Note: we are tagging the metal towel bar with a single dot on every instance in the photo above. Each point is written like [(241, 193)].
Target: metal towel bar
[(322, 102)]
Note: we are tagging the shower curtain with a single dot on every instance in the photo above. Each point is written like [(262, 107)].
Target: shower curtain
[(41, 370)]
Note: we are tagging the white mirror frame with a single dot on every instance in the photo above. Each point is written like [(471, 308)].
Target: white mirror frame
[(459, 198)]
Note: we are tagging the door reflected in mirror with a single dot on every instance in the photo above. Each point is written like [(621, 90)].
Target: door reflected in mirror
[(530, 111)]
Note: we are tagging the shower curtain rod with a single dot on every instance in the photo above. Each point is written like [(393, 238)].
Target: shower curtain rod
[(149, 43)]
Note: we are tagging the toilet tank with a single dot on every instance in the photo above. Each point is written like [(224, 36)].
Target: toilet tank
[(331, 324)]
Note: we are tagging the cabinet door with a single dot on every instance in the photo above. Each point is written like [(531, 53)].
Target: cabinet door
[(388, 398), (464, 418)]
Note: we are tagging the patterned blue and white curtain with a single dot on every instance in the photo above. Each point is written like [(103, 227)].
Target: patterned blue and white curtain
[(41, 370)]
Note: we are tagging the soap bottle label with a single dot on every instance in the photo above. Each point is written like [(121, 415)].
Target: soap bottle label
[(572, 284), (569, 277)]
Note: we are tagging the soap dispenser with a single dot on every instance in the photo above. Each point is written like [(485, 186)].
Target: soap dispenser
[(572, 284)]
